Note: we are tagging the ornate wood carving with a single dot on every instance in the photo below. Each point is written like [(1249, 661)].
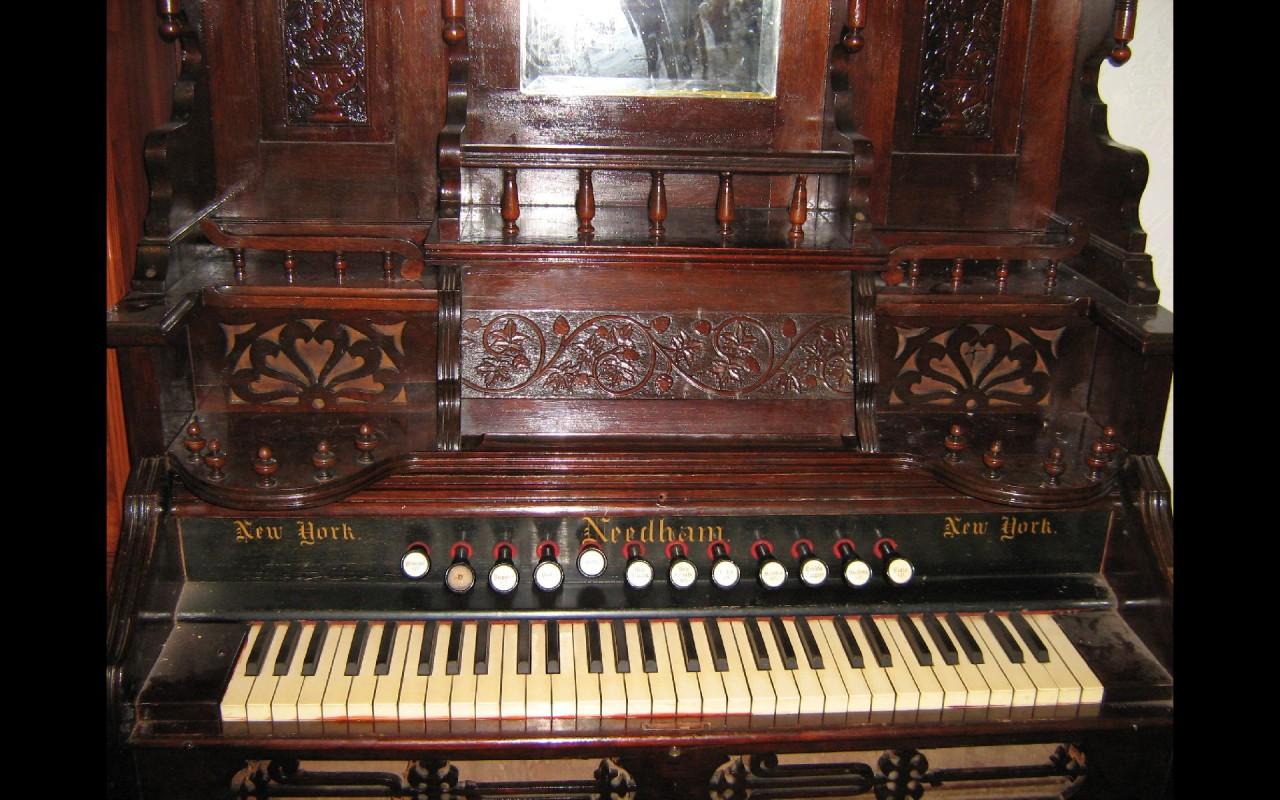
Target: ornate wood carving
[(326, 77), (632, 354), (958, 67), (864, 328), (974, 366), (448, 360)]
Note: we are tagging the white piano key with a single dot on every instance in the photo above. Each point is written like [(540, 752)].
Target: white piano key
[(1090, 687), (1001, 691), (1046, 688), (588, 697), (411, 703), (868, 686), (639, 702), (335, 691), (386, 694), (257, 706), (490, 685), (613, 689), (763, 700), (954, 692), (662, 688), (906, 695), (440, 684), (688, 697), (236, 694), (462, 697), (360, 696), (786, 693), (284, 704), (311, 698), (926, 682), (834, 691), (537, 690), (976, 690), (710, 684), (564, 684), (736, 691), (513, 683), (812, 699), (1024, 691)]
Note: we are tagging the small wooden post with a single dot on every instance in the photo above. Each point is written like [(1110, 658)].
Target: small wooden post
[(798, 211), (510, 202), (585, 203), (724, 204), (657, 203)]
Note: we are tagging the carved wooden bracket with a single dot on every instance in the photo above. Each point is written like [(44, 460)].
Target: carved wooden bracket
[(1126, 13)]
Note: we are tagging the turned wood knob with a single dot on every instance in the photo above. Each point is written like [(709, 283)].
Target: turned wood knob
[(1053, 466), (1097, 460), (265, 464), (1002, 275), (955, 444), (366, 442), (324, 459), (214, 460), (1108, 439), (194, 441), (994, 458)]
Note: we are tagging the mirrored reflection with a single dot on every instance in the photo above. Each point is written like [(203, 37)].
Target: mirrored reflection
[(722, 48)]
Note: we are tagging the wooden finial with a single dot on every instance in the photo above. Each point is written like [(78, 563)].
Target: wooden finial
[(1108, 440), (657, 203), (510, 202), (994, 459), (585, 203), (454, 19), (1053, 466), (323, 459), (857, 20), (290, 266), (265, 465), (194, 441), (237, 261), (955, 444), (913, 276), (388, 270), (1002, 276), (798, 211), (214, 460), (724, 204), (366, 442), (1097, 460), (957, 273), (1051, 275), (339, 266), (1122, 31), (170, 19)]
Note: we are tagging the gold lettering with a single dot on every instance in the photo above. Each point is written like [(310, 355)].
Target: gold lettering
[(243, 534), (949, 529), (684, 533), (347, 533), (593, 528), (306, 532)]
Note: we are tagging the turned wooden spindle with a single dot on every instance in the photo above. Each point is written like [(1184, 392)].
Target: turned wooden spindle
[(994, 459), (454, 21), (388, 270), (214, 460), (798, 211), (1051, 275), (265, 464), (1053, 466), (957, 273), (1108, 440), (724, 204), (1002, 276), (510, 202), (857, 20), (339, 266), (193, 441), (1097, 460), (955, 443), (290, 266), (913, 275), (366, 442), (1122, 31), (657, 203), (585, 202), (170, 20), (323, 459), (237, 261)]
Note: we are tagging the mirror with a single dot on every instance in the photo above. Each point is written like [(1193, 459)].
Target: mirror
[(718, 48)]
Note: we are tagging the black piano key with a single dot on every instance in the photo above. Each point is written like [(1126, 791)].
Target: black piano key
[(647, 654), (553, 647), (946, 648), (878, 647), (382, 665), (1007, 643), (785, 648), (427, 654), (453, 655), (356, 653), (965, 639), (848, 641), (258, 653), (687, 645), (756, 639), (924, 657), (719, 657), (621, 656), (1029, 637), (524, 644), (287, 648), (311, 658), (808, 643), (482, 648), (595, 661)]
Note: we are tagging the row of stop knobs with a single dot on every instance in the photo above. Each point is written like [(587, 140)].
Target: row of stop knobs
[(682, 572)]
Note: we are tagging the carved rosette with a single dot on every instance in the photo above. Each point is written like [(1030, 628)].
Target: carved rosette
[(974, 367), (315, 363), (326, 80), (603, 355), (958, 67)]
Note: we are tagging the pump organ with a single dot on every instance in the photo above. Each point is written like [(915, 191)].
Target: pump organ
[(684, 386)]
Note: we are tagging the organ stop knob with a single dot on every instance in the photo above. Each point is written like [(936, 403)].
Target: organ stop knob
[(770, 571), (591, 559), (460, 576), (813, 570), (639, 572), (724, 573), (855, 572), (416, 561), (548, 575), (503, 576), (896, 567), (682, 572)]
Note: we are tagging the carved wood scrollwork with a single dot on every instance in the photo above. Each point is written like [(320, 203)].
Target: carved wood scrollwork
[(603, 355), (326, 77), (958, 67), (448, 361)]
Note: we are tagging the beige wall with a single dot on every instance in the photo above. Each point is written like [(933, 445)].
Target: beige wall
[(1139, 97)]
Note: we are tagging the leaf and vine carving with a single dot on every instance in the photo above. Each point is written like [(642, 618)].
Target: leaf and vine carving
[(975, 366), (600, 355), (958, 67), (326, 76)]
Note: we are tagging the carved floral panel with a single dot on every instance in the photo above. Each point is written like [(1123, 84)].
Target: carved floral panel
[(958, 67), (974, 366), (604, 355), (326, 77)]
